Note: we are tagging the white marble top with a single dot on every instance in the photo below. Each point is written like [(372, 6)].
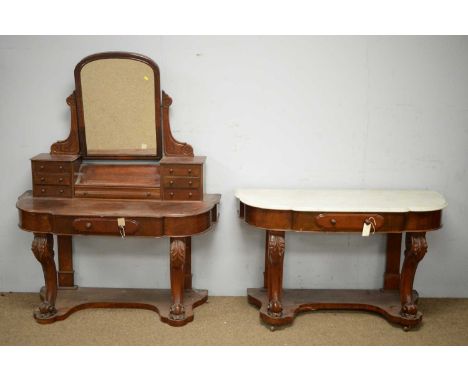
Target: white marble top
[(343, 200)]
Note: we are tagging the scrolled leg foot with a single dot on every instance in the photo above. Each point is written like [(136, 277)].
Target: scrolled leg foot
[(409, 310), (45, 310), (275, 309), (177, 312)]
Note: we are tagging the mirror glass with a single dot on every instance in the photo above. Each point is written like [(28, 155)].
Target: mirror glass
[(119, 114)]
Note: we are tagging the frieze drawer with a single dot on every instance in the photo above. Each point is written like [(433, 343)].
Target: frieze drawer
[(348, 221), (107, 226)]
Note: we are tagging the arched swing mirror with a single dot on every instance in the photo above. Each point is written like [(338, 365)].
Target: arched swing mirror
[(118, 102)]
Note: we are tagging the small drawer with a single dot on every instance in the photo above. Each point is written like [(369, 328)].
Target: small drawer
[(55, 191), (182, 195), (58, 167), (107, 226), (57, 179), (180, 182), (350, 222), (179, 170)]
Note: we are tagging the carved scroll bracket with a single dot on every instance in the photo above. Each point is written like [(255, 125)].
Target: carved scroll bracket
[(172, 147), (71, 145)]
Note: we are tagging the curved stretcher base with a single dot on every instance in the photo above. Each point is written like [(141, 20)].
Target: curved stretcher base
[(157, 300), (384, 302)]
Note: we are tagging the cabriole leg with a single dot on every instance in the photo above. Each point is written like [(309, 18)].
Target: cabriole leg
[(177, 254), (416, 248), (275, 248), (42, 247)]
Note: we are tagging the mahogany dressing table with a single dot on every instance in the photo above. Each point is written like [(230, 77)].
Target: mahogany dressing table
[(119, 173), (365, 211)]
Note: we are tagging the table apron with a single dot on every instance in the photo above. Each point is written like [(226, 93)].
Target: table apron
[(312, 221), (142, 226)]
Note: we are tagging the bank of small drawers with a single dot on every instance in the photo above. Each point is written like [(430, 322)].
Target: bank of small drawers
[(182, 182), (52, 179)]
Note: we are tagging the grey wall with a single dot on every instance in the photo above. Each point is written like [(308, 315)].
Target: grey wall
[(284, 112)]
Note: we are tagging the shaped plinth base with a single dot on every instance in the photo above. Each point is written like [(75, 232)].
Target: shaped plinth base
[(385, 302), (157, 300)]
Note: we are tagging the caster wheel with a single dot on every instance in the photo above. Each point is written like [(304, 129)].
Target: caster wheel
[(406, 328), (272, 328)]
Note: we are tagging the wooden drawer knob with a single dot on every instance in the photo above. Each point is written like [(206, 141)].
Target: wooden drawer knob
[(88, 225), (42, 190), (61, 191), (171, 170), (60, 180), (41, 167), (190, 182), (190, 194), (333, 221), (171, 182), (189, 170), (61, 167), (148, 194), (172, 194), (42, 179)]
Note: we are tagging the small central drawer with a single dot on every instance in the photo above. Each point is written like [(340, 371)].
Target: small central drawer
[(57, 167), (106, 226), (181, 182), (352, 222), (181, 170), (54, 179), (55, 191)]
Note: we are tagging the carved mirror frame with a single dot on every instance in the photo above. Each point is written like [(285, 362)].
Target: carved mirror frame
[(80, 110)]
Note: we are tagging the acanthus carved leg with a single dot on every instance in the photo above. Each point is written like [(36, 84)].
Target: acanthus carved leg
[(275, 248), (42, 247), (416, 248), (177, 254)]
